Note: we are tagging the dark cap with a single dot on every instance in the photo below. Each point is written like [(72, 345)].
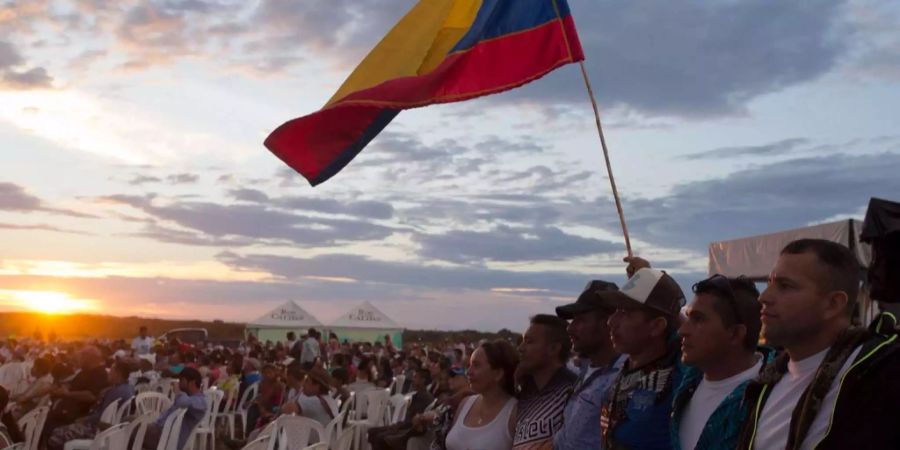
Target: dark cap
[(589, 300), (648, 288)]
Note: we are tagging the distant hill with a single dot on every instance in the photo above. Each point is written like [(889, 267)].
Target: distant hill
[(89, 326), (81, 326)]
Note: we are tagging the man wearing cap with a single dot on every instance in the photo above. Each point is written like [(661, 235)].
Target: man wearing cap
[(719, 345), (191, 398), (589, 334), (313, 401), (544, 382), (635, 412)]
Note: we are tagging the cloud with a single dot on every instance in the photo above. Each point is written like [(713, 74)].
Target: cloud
[(138, 180), (510, 244), (781, 147), (694, 58), (41, 227), (251, 221), (29, 79), (182, 178), (15, 198), (248, 195), (9, 56), (761, 199), (412, 275)]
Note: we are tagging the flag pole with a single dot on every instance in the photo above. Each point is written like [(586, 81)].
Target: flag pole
[(612, 180)]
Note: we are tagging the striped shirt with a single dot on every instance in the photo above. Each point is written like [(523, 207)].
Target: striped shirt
[(540, 413)]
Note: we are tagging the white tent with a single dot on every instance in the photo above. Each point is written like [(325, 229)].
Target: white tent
[(754, 257), (366, 323), (275, 324)]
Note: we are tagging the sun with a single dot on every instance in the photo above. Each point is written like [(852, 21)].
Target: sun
[(51, 302)]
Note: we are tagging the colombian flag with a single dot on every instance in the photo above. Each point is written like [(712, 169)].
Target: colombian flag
[(441, 51)]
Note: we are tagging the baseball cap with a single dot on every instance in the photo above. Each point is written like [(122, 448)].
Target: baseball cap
[(456, 371), (589, 300), (649, 288)]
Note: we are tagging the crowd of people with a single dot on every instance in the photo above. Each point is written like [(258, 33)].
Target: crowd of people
[(634, 367)]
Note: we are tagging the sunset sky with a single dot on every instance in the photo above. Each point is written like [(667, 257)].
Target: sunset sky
[(134, 180)]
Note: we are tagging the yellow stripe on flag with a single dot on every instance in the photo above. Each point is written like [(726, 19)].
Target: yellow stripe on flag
[(417, 44)]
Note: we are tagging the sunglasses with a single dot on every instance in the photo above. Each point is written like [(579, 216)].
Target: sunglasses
[(722, 285)]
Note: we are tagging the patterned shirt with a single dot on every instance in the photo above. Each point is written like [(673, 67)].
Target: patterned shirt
[(540, 413)]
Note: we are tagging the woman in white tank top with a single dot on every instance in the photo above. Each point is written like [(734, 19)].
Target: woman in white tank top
[(485, 421)]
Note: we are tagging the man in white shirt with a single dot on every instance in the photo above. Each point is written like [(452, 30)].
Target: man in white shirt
[(143, 344), (807, 310), (310, 348), (719, 345), (313, 401)]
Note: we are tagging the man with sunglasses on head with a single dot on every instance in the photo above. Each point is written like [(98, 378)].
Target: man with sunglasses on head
[(835, 385), (719, 346)]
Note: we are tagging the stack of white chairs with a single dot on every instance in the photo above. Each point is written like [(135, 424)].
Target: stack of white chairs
[(32, 425)]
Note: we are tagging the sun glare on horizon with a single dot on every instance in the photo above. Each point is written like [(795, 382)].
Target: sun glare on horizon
[(47, 302)]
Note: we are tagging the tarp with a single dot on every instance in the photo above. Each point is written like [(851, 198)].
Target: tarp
[(754, 257), (882, 219)]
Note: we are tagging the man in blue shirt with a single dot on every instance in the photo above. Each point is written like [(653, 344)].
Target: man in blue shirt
[(190, 398), (589, 334)]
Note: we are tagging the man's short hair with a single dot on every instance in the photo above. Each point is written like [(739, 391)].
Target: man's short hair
[(425, 374), (555, 333), (842, 270), (124, 368), (743, 309), (192, 375)]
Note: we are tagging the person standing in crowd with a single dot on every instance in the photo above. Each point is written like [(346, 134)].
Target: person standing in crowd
[(311, 349), (487, 419), (719, 345), (835, 385), (290, 342), (190, 397), (545, 382), (635, 414), (143, 344), (589, 334)]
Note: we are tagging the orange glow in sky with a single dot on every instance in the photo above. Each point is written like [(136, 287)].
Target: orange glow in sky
[(47, 302)]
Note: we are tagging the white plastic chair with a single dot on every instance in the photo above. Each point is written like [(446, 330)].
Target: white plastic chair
[(126, 409), (152, 402), (206, 428), (261, 443), (32, 424), (397, 385), (398, 405), (112, 438), (345, 441), (240, 412), (111, 413), (137, 429), (19, 446), (334, 428), (346, 406), (295, 432), (376, 402), (166, 386), (168, 439)]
